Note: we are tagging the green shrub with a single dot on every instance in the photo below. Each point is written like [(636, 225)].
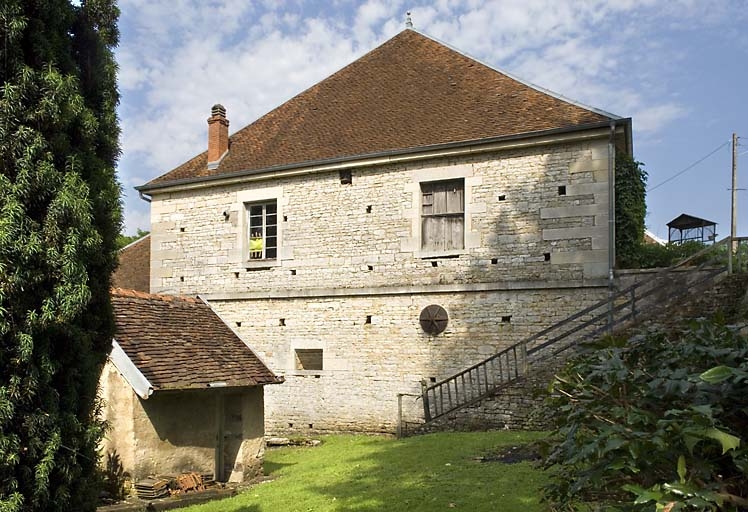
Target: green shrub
[(653, 423)]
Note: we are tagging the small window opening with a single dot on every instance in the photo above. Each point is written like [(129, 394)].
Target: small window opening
[(282, 322), (506, 319), (346, 178), (494, 261), (238, 324), (236, 275), (502, 197), (369, 267), (181, 230), (434, 263), (309, 359), (562, 190), (368, 209), (311, 425), (290, 425), (181, 278), (285, 218), (293, 272), (547, 256), (432, 380), (368, 319)]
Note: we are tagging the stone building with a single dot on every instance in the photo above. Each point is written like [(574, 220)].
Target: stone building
[(181, 391), (414, 176)]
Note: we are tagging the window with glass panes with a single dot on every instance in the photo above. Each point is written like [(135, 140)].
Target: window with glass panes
[(263, 230)]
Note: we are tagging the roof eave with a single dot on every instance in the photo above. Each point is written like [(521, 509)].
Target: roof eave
[(149, 188), (134, 377)]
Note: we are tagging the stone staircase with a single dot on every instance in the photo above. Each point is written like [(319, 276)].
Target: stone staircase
[(497, 392)]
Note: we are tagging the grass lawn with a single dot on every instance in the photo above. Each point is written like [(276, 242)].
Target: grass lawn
[(424, 473)]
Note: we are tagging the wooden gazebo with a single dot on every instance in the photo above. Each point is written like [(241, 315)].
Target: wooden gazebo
[(687, 228)]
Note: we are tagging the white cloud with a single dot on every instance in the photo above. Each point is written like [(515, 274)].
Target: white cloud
[(178, 58), (653, 119)]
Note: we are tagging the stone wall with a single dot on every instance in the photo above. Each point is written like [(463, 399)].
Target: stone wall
[(367, 363), (367, 233)]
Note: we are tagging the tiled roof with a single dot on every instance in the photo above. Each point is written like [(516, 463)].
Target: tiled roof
[(134, 269), (410, 92), (180, 343)]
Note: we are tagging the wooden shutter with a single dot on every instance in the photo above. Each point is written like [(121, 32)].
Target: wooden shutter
[(442, 215)]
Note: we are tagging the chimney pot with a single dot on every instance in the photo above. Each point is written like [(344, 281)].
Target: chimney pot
[(218, 110), (218, 135)]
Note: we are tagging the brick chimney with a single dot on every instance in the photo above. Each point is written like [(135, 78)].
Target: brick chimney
[(218, 135)]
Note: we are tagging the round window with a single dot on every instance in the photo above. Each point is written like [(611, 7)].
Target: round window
[(434, 319)]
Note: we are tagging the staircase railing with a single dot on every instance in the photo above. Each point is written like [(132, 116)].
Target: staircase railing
[(641, 300)]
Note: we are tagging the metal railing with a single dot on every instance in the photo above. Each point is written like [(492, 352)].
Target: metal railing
[(641, 300)]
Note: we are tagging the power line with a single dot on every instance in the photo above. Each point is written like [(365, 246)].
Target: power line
[(697, 162)]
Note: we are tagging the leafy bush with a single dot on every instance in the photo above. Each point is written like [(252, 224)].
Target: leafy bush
[(658, 256), (653, 423)]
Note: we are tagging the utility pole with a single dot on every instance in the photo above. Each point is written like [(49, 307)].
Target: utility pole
[(734, 227)]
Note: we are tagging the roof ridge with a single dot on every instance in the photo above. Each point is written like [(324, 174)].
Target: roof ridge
[(136, 294), (516, 78)]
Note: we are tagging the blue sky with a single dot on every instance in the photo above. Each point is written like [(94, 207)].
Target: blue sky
[(679, 68)]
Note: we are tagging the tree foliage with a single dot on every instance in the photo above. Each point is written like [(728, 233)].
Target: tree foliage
[(657, 422), (59, 217), (631, 208), (125, 240)]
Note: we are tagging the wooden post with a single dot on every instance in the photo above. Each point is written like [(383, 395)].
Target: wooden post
[(425, 397), (733, 209), (218, 474)]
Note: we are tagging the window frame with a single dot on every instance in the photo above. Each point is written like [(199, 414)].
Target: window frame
[(308, 355), (445, 210), (264, 226), (243, 199)]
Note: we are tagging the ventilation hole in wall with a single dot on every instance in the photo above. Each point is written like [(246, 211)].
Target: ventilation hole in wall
[(236, 275), (506, 319), (316, 376), (434, 263), (547, 256), (369, 267), (562, 190), (432, 380), (368, 209), (181, 278), (181, 230), (293, 272), (290, 425), (282, 322), (285, 218), (368, 319), (494, 261), (311, 425), (345, 177), (238, 324), (502, 197)]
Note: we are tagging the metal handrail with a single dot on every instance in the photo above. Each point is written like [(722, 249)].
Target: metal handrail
[(519, 368)]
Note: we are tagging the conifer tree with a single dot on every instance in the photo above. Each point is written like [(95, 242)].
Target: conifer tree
[(59, 217)]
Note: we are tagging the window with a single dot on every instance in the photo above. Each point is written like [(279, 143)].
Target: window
[(309, 359), (263, 230), (443, 215)]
